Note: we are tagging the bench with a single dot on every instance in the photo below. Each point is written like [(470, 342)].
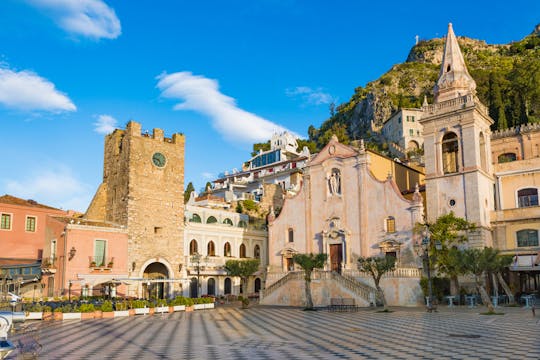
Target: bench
[(342, 304)]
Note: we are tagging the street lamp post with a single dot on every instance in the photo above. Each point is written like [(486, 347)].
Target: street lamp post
[(426, 244), (196, 258)]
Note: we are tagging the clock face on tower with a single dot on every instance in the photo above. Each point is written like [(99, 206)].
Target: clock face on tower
[(159, 159)]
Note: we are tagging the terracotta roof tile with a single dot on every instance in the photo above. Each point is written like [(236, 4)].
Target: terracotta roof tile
[(12, 200)]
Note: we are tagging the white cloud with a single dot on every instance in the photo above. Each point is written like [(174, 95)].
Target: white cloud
[(90, 18), (105, 124), (310, 96), (202, 95), (56, 187), (26, 90)]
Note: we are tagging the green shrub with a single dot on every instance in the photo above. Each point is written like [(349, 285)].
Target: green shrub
[(86, 308), (138, 304), (440, 287), (107, 306), (121, 306)]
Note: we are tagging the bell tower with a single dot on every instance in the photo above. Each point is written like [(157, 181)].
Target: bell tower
[(457, 147)]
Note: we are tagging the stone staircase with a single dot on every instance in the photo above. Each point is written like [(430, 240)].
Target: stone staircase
[(350, 285)]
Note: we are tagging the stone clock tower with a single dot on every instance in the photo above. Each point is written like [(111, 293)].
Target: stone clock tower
[(457, 147), (142, 189)]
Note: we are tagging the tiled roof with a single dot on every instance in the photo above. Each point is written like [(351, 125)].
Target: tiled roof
[(85, 222), (12, 200)]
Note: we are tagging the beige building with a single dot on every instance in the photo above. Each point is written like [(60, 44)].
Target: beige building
[(403, 131)]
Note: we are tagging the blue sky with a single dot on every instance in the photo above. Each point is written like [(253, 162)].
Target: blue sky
[(225, 73)]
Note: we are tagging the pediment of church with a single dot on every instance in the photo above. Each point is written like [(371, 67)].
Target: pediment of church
[(334, 149)]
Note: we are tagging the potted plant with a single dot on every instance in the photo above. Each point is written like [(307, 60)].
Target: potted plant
[(122, 309), (47, 312), (161, 306), (33, 311), (93, 264), (110, 264), (178, 303), (107, 309), (140, 307), (87, 311)]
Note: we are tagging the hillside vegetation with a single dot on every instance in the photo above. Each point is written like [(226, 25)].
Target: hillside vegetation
[(507, 78)]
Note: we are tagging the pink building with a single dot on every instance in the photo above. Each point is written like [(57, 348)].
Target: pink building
[(22, 237), (84, 258)]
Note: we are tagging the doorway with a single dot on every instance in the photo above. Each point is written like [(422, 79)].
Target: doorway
[(336, 257)]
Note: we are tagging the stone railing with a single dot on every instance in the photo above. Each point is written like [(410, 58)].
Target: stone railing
[(397, 273), (365, 291), (293, 275), (455, 104)]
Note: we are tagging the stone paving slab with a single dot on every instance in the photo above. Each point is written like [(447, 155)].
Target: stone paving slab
[(289, 333)]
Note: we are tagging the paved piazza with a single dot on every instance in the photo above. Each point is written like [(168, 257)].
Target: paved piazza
[(289, 333)]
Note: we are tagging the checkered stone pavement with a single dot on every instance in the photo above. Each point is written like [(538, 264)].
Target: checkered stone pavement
[(289, 333)]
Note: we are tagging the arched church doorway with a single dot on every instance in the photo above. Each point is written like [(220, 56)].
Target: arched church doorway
[(336, 257), (152, 288)]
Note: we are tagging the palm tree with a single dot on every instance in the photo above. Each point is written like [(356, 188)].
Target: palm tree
[(377, 266), (309, 262)]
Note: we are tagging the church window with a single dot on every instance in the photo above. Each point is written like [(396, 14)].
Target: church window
[(228, 221), (483, 163), (211, 220), (242, 224), (411, 132), (527, 197), (193, 248), (227, 249), (242, 251), (450, 153), (211, 249), (528, 237), (507, 157), (257, 252), (390, 224), (448, 68), (291, 235), (195, 218)]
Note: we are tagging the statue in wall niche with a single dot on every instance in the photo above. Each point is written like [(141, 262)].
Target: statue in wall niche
[(334, 183)]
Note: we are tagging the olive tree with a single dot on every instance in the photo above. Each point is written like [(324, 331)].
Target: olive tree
[(309, 262)]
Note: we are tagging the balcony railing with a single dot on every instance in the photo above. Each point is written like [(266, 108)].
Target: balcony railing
[(97, 262), (49, 262)]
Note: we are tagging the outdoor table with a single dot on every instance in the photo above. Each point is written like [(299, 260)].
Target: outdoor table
[(528, 299), (472, 300), (450, 300)]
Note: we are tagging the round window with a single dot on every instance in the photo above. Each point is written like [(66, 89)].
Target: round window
[(452, 202)]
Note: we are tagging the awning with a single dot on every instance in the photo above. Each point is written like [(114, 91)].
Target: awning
[(526, 262), (94, 279)]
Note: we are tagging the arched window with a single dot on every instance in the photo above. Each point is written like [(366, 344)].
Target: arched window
[(228, 221), (483, 162), (242, 224), (242, 251), (195, 218), (507, 157), (211, 249), (527, 197), (450, 152), (227, 249), (211, 220), (390, 224), (257, 252), (211, 287), (193, 249), (291, 235), (528, 237), (257, 285), (193, 288), (228, 286)]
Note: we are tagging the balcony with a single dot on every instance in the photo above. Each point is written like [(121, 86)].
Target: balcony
[(49, 264), (100, 263)]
